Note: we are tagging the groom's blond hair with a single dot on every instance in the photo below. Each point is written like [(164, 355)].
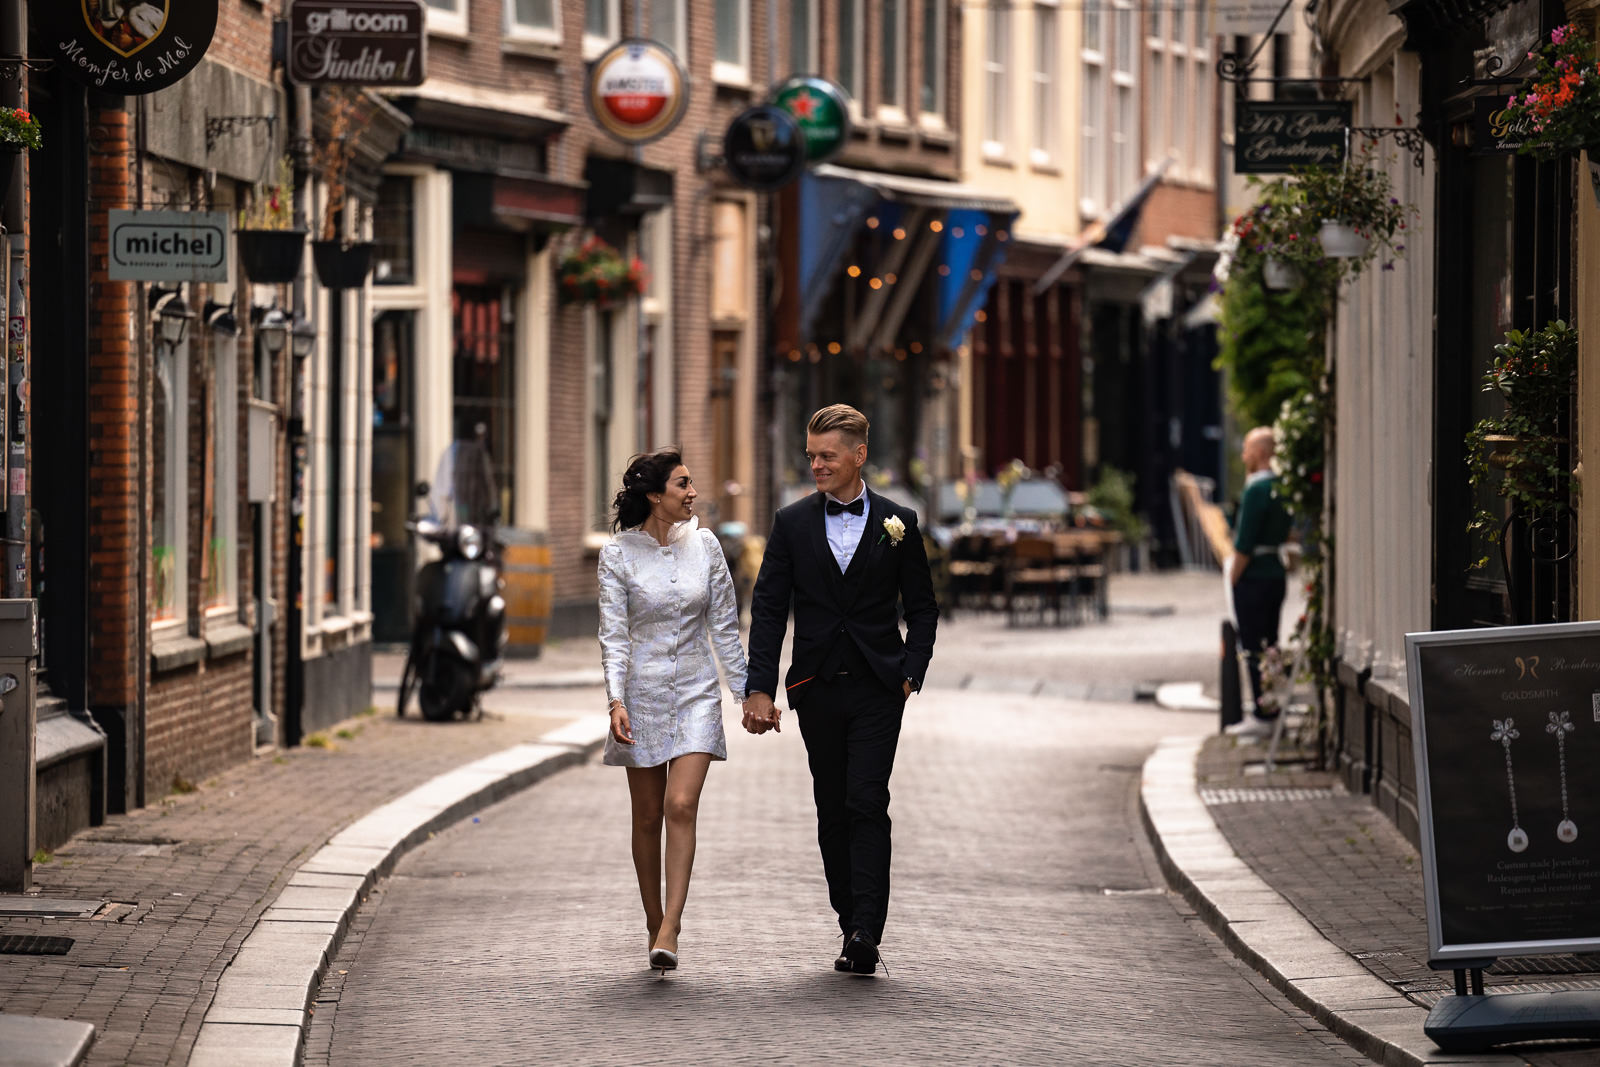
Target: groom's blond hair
[(843, 418)]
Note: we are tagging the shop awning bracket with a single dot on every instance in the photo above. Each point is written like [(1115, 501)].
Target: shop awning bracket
[(232, 125), (1409, 138), (1491, 70), (13, 66)]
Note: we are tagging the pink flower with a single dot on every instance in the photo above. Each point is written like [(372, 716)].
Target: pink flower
[(1558, 35)]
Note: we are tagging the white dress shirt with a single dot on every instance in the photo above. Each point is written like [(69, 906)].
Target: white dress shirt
[(844, 529)]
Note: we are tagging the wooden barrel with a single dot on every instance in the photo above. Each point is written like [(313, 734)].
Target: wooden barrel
[(525, 566)]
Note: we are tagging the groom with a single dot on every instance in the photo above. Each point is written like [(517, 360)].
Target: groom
[(843, 558)]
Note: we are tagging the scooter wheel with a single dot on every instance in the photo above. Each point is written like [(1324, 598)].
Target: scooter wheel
[(446, 688)]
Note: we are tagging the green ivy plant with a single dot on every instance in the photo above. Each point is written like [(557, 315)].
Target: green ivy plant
[(1520, 451)]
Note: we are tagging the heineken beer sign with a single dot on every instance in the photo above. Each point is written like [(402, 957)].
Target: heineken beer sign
[(822, 111), (637, 91)]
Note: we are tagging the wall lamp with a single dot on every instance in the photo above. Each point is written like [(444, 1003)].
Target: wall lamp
[(220, 317), (272, 327), (302, 337), (172, 314)]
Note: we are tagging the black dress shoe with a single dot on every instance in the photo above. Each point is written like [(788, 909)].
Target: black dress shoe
[(843, 962), (861, 952)]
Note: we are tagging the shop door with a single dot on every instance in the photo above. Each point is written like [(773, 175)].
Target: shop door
[(393, 478)]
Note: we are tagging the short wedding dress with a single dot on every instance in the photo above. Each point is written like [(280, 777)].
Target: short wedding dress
[(663, 609)]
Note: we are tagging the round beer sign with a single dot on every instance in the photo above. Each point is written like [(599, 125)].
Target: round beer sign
[(822, 111), (763, 148), (637, 90)]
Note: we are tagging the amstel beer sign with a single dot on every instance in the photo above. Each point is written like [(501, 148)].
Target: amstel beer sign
[(637, 91)]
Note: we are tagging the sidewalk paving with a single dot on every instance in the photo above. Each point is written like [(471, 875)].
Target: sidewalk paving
[(187, 878), (1317, 890)]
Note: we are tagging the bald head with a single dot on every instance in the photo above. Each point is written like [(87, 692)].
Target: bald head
[(1259, 445)]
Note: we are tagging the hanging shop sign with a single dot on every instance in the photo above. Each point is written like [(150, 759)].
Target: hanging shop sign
[(168, 246), (637, 91), (1506, 732), (764, 148), (822, 111), (1271, 137), (357, 42), (1492, 131), (130, 47)]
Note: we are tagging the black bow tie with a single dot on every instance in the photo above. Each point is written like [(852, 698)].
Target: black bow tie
[(855, 507)]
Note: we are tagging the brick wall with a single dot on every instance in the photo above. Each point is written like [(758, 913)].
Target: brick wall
[(1178, 211), (197, 722)]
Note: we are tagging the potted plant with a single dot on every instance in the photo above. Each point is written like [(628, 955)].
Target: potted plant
[(1358, 217), (596, 273), (18, 130), (271, 246), (1533, 373), (340, 264)]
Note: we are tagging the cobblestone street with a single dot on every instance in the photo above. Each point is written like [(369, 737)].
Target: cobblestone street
[(1028, 923)]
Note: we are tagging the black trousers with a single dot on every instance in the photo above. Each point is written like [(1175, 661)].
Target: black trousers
[(851, 726), (1258, 608)]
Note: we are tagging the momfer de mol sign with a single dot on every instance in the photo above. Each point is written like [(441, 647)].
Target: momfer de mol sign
[(129, 47), (357, 42), (637, 91)]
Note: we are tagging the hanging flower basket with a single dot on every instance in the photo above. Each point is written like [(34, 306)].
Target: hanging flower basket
[(19, 129), (596, 273), (1340, 240), (271, 257), (1279, 274), (341, 266)]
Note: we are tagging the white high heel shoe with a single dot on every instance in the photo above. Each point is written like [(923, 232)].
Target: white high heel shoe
[(662, 960)]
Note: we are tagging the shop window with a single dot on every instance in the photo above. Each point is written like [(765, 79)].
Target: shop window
[(169, 533), (1046, 84), (483, 404), (220, 568), (996, 61), (669, 22), (733, 42), (933, 61), (447, 16), (1124, 105), (535, 20), (891, 60), (394, 232), (602, 21), (851, 35), (803, 36)]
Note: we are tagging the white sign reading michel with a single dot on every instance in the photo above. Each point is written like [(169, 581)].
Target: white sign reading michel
[(1505, 727), (169, 246)]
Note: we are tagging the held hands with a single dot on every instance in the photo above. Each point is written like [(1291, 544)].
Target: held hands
[(760, 714)]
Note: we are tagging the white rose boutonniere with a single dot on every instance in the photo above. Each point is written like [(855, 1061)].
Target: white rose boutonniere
[(894, 529)]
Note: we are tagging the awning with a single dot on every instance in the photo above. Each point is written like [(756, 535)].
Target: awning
[(925, 192)]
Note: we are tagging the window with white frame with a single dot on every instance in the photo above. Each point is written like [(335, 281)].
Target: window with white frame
[(1093, 111), (220, 580), (533, 20), (803, 36), (1160, 88), (1046, 83), (733, 42), (852, 31), (996, 60), (447, 16), (892, 58), (602, 22), (931, 104), (669, 24), (1198, 150), (169, 534), (1124, 103)]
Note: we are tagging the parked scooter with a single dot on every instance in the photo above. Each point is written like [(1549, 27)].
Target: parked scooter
[(459, 638)]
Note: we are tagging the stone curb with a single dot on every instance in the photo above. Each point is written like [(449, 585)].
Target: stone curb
[(259, 1016), (580, 679), (1270, 934)]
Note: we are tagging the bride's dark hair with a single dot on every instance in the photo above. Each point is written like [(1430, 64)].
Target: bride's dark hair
[(646, 474)]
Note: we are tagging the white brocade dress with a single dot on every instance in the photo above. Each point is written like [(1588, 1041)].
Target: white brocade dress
[(662, 610)]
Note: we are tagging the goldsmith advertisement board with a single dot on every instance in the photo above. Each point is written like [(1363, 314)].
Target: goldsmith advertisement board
[(1506, 730), (1492, 132), (1270, 137)]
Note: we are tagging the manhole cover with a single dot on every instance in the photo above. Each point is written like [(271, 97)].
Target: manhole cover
[(33, 945), (1253, 796), (49, 907)]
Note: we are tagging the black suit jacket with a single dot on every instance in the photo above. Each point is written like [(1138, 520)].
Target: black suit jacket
[(860, 605)]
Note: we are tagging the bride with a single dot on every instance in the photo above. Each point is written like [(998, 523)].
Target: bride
[(666, 599)]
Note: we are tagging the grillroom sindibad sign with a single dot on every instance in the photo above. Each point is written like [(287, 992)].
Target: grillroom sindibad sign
[(1506, 731), (357, 42), (169, 246)]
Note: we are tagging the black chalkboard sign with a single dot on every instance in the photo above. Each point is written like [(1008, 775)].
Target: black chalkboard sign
[(1506, 733)]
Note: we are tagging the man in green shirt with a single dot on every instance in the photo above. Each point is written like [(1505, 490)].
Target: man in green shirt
[(1256, 569)]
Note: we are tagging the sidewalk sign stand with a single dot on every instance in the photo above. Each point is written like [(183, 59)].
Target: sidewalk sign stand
[(1500, 718)]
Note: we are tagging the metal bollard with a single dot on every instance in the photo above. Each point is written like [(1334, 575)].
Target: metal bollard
[(1231, 696), (19, 654)]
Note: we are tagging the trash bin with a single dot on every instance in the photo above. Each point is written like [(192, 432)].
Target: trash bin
[(19, 653)]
